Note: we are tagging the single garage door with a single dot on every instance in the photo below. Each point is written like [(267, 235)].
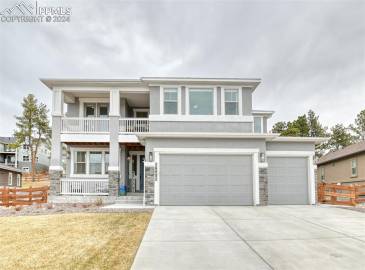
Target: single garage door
[(288, 180), (189, 179)]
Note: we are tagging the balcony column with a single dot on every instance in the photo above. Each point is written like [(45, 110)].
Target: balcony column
[(55, 169), (114, 115)]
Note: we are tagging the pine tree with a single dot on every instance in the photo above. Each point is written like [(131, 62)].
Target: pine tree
[(32, 127)]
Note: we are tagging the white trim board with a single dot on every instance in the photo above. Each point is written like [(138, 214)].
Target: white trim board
[(310, 168), (211, 151)]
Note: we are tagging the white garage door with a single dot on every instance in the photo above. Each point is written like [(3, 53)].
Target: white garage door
[(288, 180), (190, 179)]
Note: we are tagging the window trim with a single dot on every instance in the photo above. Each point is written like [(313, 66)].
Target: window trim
[(162, 99), (10, 179), (200, 87), (88, 150), (352, 167), (18, 181), (223, 101)]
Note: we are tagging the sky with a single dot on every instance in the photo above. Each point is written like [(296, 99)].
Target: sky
[(309, 54)]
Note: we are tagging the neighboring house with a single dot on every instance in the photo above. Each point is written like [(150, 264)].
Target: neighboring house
[(178, 141), (10, 176), (20, 157), (345, 166)]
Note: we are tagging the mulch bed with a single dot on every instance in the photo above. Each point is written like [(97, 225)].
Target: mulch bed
[(52, 209)]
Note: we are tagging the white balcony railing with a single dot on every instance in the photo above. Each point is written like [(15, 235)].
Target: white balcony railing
[(84, 125), (72, 186), (134, 125)]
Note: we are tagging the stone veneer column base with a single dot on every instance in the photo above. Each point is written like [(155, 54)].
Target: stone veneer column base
[(263, 178), (113, 183), (150, 176), (55, 182)]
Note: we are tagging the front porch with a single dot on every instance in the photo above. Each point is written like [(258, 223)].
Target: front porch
[(87, 173)]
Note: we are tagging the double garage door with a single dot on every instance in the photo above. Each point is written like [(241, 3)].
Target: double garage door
[(205, 179)]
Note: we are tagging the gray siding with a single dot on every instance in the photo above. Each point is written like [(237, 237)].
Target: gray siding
[(290, 146), (167, 126), (124, 108), (154, 100), (152, 143), (73, 109), (205, 180), (288, 180), (247, 101)]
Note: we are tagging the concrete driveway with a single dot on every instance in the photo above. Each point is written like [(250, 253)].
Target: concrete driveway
[(272, 237)]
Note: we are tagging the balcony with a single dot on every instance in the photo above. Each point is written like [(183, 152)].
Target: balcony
[(101, 125), (84, 125), (134, 125)]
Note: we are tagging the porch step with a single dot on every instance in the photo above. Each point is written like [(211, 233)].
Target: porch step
[(129, 199)]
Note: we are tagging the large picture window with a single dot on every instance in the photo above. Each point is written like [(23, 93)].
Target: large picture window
[(231, 102), (170, 105), (95, 162), (201, 101), (96, 110)]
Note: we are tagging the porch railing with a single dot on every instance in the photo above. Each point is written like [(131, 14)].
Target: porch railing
[(72, 186), (84, 124), (134, 125)]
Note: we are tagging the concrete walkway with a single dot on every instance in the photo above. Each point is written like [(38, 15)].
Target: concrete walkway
[(273, 237)]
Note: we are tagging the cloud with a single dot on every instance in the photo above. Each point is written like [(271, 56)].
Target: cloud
[(310, 55)]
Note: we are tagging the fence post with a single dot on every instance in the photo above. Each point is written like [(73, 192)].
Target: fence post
[(30, 195)]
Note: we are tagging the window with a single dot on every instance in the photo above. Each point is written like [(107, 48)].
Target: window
[(95, 162), (90, 162), (18, 180), (170, 96), (10, 179), (201, 101), (25, 158), (96, 109), (90, 110), (257, 124), (322, 173), (231, 102), (25, 147), (80, 162), (354, 167), (106, 162), (25, 169)]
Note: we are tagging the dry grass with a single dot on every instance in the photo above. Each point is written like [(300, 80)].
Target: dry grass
[(71, 241), (27, 184)]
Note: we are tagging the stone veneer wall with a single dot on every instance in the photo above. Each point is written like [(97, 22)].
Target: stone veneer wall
[(150, 176), (263, 186), (113, 183), (55, 182)]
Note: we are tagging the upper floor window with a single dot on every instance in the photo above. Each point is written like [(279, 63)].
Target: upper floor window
[(354, 167), (170, 104), (231, 102), (96, 110), (25, 158), (257, 124), (201, 101)]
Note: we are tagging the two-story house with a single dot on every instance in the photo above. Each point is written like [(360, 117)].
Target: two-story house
[(20, 157), (174, 141)]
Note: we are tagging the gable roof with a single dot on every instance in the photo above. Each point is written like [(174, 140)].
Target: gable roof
[(344, 152), (9, 168)]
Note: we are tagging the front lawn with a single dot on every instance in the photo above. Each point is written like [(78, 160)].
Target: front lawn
[(71, 241)]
